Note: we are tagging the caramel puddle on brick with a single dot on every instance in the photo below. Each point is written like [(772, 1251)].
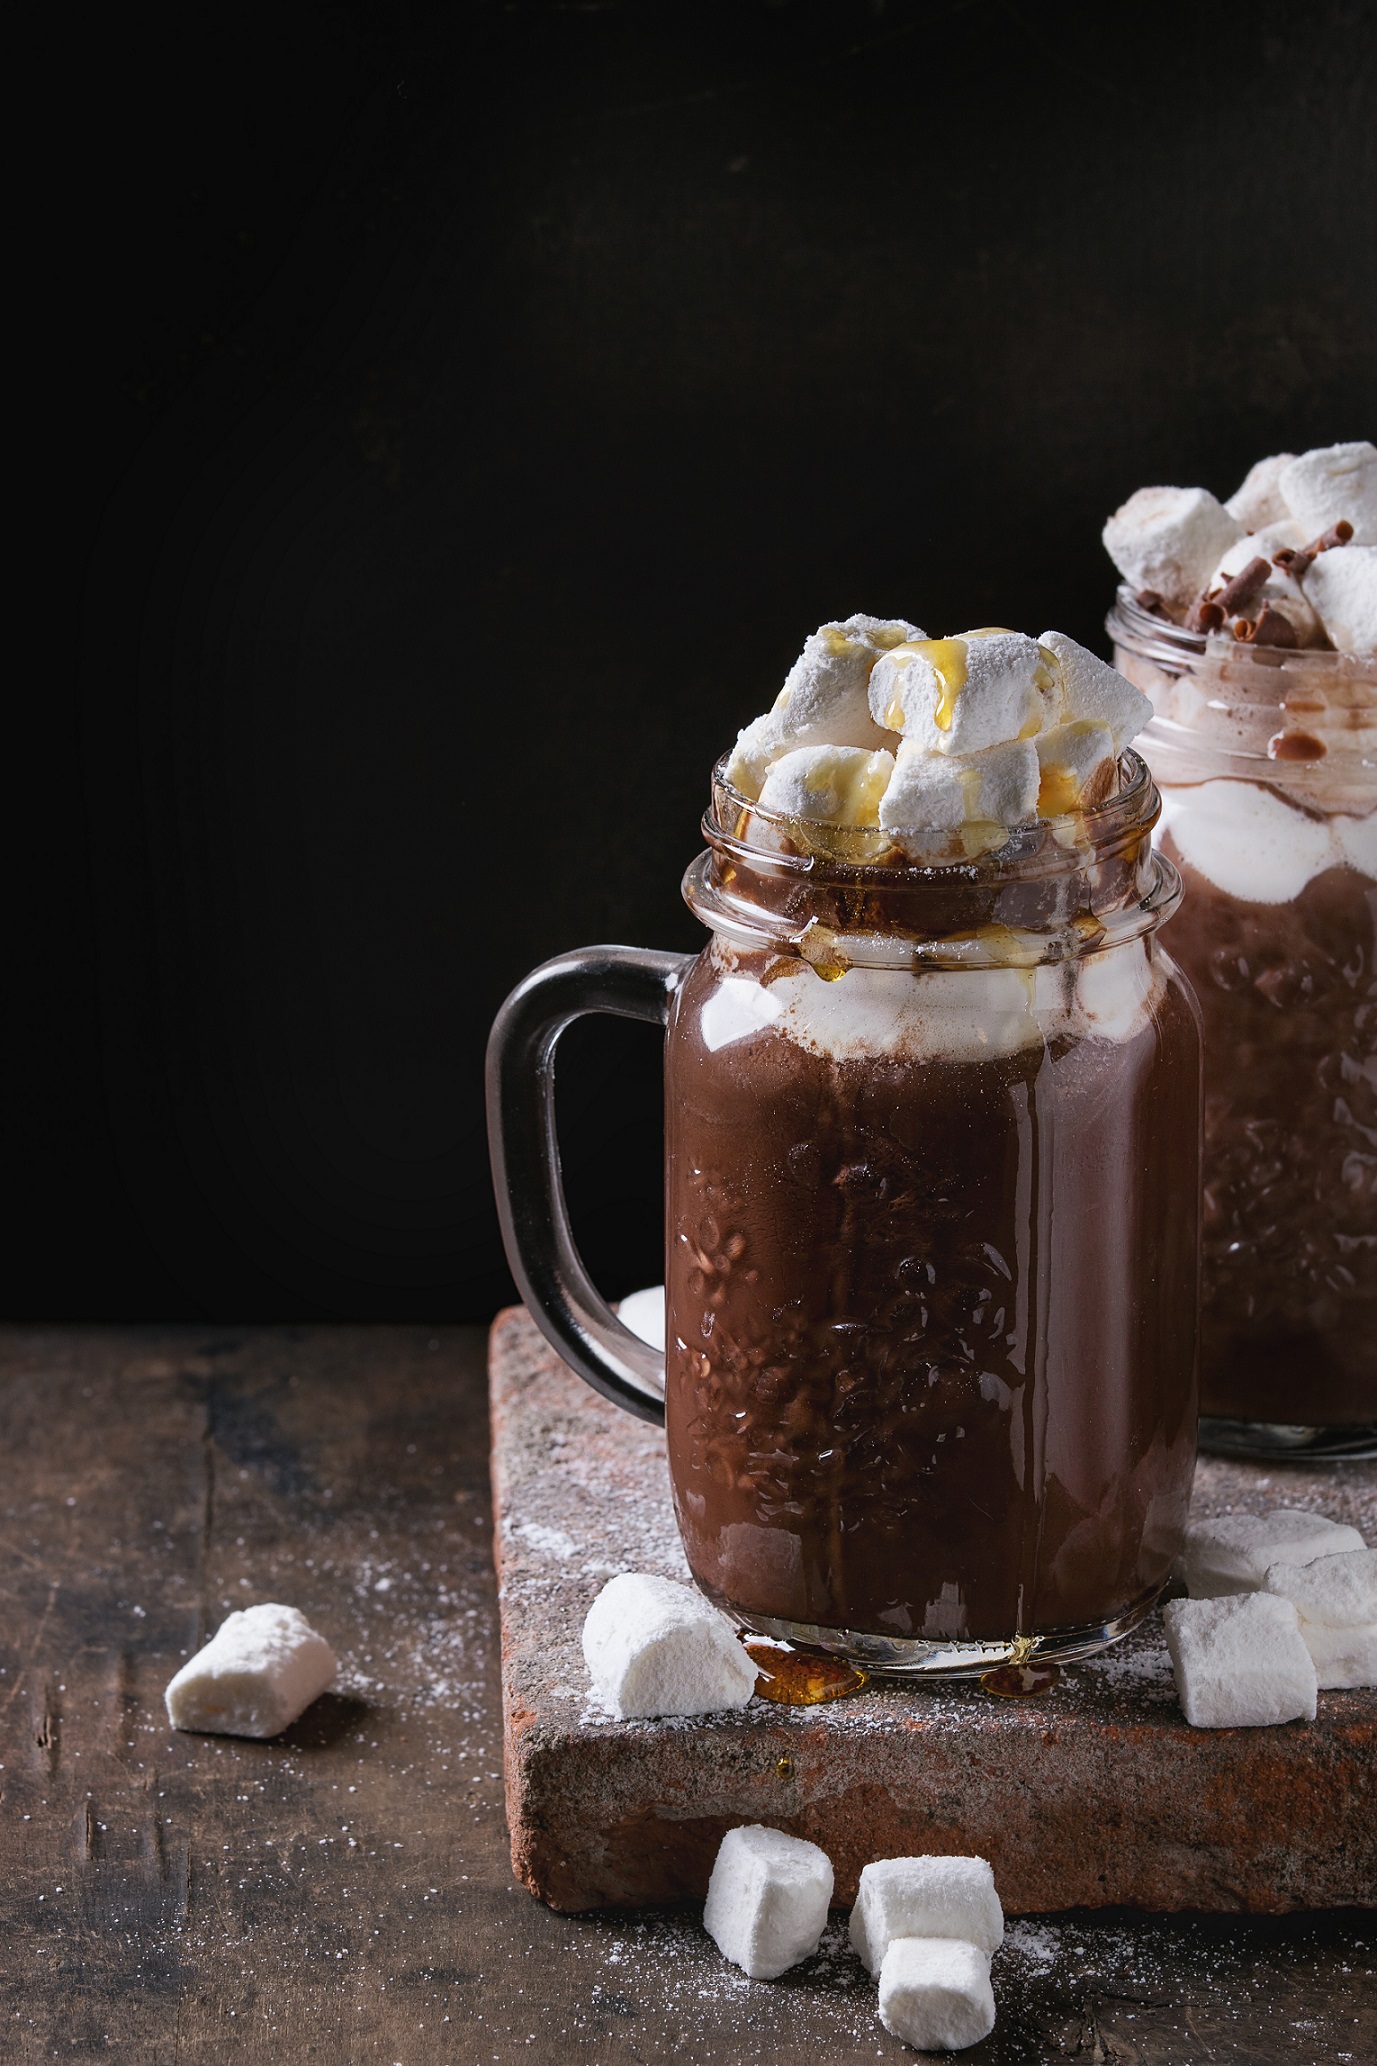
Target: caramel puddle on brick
[(801, 1678), (1021, 1681)]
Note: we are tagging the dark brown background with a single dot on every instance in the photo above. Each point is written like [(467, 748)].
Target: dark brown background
[(452, 418)]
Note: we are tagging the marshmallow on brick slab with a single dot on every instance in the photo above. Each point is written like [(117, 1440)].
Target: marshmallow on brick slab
[(828, 785), (1334, 482), (1076, 765), (262, 1668), (1343, 1658), (1240, 1663), (657, 1648), (1336, 1599), (980, 794), (767, 1900), (823, 700), (935, 1993), (644, 1313), (1168, 539), (1232, 1554), (1259, 501), (959, 695), (925, 1897), (1338, 1590), (1086, 686), (1341, 587)]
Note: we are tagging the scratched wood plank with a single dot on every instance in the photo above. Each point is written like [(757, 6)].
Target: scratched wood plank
[(344, 1893)]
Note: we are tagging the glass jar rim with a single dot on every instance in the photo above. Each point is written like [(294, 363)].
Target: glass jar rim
[(1064, 843)]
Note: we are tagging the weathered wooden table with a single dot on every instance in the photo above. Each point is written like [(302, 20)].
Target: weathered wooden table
[(344, 1894)]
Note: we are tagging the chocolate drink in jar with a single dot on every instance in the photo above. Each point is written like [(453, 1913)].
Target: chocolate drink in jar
[(1259, 650), (932, 1156)]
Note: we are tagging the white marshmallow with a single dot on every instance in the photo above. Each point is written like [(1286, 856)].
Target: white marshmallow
[(828, 785), (1248, 841), (935, 1993), (1259, 501), (824, 698), (1233, 1554), (644, 1313), (1086, 686), (1076, 765), (1332, 483), (1168, 539), (925, 1897), (958, 695), (261, 1669), (1341, 587), (1336, 1600), (656, 1648), (1340, 1590), (767, 1900), (1239, 1663), (1342, 1657), (987, 792)]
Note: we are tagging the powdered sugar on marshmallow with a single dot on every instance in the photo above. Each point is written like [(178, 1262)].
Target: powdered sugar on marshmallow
[(1333, 484), (957, 695), (1341, 588), (1240, 1663), (262, 1668), (657, 1648), (1087, 687), (1259, 501), (1233, 1554), (824, 700), (768, 1899), (982, 794), (1169, 540), (828, 785), (925, 1897), (935, 1993)]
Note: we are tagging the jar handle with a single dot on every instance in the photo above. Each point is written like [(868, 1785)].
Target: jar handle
[(631, 983)]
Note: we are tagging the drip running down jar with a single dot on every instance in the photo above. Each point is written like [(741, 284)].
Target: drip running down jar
[(931, 1194), (1267, 763)]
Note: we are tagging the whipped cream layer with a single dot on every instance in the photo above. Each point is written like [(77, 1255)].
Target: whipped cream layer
[(936, 1015), (1253, 845)]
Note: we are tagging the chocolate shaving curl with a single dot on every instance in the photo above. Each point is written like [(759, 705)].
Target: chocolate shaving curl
[(1149, 599), (1204, 614), (1237, 597), (1297, 561), (1271, 629)]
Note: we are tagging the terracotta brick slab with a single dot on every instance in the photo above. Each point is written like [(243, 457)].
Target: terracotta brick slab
[(1096, 1794)]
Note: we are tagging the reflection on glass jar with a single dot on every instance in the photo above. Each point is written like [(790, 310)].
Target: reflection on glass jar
[(933, 1140), (1267, 763)]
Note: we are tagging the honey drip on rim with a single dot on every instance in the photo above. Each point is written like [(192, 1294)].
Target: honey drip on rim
[(801, 1678)]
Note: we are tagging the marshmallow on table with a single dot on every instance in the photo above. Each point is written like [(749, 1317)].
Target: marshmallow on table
[(1076, 764), (1085, 686), (957, 695), (657, 1648), (1341, 587), (767, 1900), (644, 1313), (1239, 1663), (925, 1897), (1336, 1600), (1232, 1554), (1332, 483), (260, 1670), (935, 1993), (987, 791), (828, 785), (824, 698), (1259, 501), (1169, 539)]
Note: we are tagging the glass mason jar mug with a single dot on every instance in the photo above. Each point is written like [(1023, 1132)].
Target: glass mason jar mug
[(1267, 762), (932, 1246)]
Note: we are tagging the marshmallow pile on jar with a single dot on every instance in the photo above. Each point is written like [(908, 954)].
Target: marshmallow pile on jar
[(1289, 560), (880, 727)]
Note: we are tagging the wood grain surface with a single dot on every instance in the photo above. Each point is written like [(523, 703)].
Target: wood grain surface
[(344, 1894)]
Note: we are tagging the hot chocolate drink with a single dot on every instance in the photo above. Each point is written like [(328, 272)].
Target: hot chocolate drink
[(1256, 639), (933, 1097)]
